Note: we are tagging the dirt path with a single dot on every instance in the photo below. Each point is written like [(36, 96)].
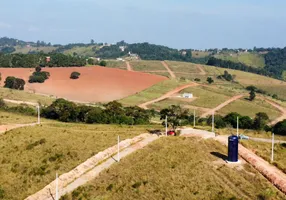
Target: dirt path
[(5, 128), (129, 68), (267, 140), (167, 95), (201, 69), (280, 108), (168, 69), (222, 105), (21, 102), (90, 174)]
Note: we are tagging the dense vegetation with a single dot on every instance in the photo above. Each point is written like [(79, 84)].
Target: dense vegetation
[(75, 75), (22, 109), (111, 113), (34, 60), (39, 76), (275, 61), (14, 83)]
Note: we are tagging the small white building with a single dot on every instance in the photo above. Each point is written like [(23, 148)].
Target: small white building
[(188, 95)]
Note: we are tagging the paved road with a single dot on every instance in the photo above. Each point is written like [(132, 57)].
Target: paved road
[(167, 95), (168, 69)]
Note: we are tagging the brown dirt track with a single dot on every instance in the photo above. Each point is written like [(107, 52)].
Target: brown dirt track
[(96, 84)]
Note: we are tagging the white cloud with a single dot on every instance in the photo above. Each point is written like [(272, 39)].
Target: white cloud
[(5, 25)]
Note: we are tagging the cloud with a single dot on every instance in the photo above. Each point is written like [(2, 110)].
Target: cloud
[(5, 25)]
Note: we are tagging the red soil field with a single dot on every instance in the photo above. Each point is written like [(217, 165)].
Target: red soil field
[(96, 84)]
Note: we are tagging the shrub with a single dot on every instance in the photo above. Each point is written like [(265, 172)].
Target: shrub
[(103, 63), (38, 69), (280, 128), (75, 75), (210, 80), (197, 79), (14, 83), (39, 77)]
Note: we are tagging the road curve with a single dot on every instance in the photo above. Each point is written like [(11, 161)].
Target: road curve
[(222, 105), (167, 95), (280, 108), (168, 69)]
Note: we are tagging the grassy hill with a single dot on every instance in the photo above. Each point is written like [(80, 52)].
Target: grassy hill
[(26, 50), (169, 172), (250, 59)]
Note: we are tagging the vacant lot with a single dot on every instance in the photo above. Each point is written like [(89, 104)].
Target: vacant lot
[(26, 50), (25, 96), (31, 156), (200, 54), (152, 93), (96, 84), (184, 67), (250, 59), (263, 149), (12, 118), (248, 108), (82, 51), (147, 66), (116, 64), (178, 168)]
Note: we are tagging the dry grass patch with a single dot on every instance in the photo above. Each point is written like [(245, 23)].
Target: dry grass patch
[(185, 67), (116, 64), (12, 118), (147, 66), (31, 156), (178, 168)]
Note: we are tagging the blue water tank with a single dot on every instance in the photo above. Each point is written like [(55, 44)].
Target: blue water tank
[(233, 149)]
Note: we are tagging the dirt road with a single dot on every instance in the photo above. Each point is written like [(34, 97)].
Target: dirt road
[(280, 108), (267, 140), (202, 71), (167, 95), (129, 68), (21, 102), (68, 187), (168, 69), (222, 105), (5, 128)]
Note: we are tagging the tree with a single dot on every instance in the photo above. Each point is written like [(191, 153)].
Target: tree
[(280, 128), (75, 75), (14, 83), (210, 80), (90, 61), (38, 69), (103, 63), (92, 41), (231, 119), (218, 121), (176, 116), (260, 121), (252, 95)]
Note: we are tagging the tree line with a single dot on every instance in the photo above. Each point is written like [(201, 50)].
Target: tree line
[(34, 60)]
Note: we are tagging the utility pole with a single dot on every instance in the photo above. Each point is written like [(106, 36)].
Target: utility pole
[(194, 118), (166, 123), (272, 151), (213, 123), (237, 129), (38, 109), (118, 149), (57, 187)]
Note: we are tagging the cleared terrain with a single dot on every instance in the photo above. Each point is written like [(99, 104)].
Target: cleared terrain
[(172, 172), (96, 84)]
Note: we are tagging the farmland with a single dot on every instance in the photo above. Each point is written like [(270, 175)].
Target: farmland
[(31, 156), (107, 84), (201, 174)]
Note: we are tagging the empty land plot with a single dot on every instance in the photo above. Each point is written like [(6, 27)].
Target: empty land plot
[(6, 93), (12, 118), (200, 54), (26, 50), (183, 67), (250, 59), (31, 156), (151, 93), (162, 171), (116, 64), (82, 51), (263, 150), (147, 66), (166, 74), (205, 97), (248, 108)]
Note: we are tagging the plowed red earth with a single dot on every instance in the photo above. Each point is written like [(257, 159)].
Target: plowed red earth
[(96, 84)]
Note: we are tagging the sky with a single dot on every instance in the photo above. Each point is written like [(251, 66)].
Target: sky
[(179, 24)]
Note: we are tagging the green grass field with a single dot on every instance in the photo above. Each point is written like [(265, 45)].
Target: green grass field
[(24, 96), (147, 66), (26, 50), (247, 108), (12, 118), (183, 67), (200, 54), (31, 156), (178, 168), (152, 92), (116, 64), (263, 149), (82, 51), (250, 59)]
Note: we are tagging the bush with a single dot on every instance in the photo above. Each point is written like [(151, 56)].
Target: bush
[(39, 77), (38, 69), (210, 80), (280, 128), (14, 83), (103, 63), (197, 79), (75, 75)]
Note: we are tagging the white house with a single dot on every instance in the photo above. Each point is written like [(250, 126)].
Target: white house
[(188, 95)]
